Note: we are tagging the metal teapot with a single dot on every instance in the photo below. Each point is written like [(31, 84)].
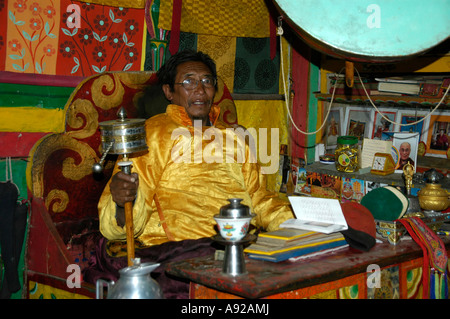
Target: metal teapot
[(134, 283)]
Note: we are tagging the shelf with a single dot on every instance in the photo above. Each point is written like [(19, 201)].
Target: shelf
[(394, 179), (387, 100)]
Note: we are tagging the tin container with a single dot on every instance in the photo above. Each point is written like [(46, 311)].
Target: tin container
[(346, 154)]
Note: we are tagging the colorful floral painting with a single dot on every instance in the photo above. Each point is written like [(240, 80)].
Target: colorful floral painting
[(72, 38)]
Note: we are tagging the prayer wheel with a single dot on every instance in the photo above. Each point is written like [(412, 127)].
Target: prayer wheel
[(123, 136)]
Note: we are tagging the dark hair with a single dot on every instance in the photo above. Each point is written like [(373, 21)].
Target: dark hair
[(168, 72)]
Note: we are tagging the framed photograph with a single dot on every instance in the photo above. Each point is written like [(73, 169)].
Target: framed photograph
[(358, 122), (381, 125), (334, 127), (412, 116), (439, 134), (406, 144)]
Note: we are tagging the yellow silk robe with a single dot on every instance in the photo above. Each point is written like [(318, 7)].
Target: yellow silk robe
[(191, 186)]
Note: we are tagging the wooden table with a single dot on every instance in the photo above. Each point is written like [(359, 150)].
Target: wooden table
[(339, 274)]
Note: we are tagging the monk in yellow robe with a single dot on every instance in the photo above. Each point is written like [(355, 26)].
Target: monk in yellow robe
[(189, 171)]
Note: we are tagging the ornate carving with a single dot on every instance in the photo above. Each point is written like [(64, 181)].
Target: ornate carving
[(70, 169), (58, 199), (83, 118), (107, 91)]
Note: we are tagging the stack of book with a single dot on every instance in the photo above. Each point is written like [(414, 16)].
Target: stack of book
[(337, 84), (423, 86), (432, 86), (287, 243)]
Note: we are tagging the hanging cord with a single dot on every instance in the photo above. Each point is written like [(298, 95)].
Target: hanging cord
[(280, 33), (8, 170), (8, 173), (287, 101), (401, 124)]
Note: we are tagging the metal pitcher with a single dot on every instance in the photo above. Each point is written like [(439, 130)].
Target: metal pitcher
[(134, 283)]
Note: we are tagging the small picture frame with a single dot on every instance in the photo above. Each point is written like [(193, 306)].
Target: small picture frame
[(358, 122), (334, 128), (438, 140), (413, 116), (406, 144), (381, 125)]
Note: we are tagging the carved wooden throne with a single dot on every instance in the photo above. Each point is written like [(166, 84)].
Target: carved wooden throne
[(64, 191)]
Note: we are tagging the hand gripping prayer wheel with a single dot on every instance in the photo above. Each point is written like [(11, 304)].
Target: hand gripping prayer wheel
[(123, 137)]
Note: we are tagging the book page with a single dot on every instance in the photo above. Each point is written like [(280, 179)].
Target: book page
[(370, 147), (317, 214)]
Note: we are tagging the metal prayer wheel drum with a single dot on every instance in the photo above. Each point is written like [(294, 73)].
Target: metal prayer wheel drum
[(125, 136), (121, 137)]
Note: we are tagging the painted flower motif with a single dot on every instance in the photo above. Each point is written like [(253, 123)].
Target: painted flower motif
[(101, 22), (115, 40), (131, 27), (35, 8), (99, 54), (49, 11), (35, 24), (87, 6), (14, 45), (67, 49), (131, 54), (49, 50), (120, 12), (20, 5), (85, 36)]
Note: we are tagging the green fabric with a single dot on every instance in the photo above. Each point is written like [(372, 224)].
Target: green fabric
[(255, 72), (385, 203), (188, 41), (48, 97)]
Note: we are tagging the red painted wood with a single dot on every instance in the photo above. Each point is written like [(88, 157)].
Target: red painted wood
[(300, 74), (267, 278), (17, 144), (46, 251), (39, 79)]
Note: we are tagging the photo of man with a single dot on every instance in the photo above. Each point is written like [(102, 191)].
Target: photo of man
[(407, 145), (405, 152)]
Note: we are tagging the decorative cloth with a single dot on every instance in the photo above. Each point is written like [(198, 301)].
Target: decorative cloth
[(139, 4), (72, 38), (249, 18), (229, 18), (435, 260)]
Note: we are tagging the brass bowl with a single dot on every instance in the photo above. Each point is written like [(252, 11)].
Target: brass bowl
[(433, 198)]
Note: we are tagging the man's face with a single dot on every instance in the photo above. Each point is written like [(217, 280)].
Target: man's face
[(197, 102), (405, 150)]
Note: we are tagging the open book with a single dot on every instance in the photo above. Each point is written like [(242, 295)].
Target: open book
[(318, 214)]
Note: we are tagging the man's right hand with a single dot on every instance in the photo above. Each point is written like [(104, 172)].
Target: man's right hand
[(124, 187)]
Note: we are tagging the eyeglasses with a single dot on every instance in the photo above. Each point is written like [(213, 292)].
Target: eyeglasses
[(191, 84)]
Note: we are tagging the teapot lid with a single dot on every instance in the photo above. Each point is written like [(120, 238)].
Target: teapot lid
[(433, 176), (138, 269), (235, 209)]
